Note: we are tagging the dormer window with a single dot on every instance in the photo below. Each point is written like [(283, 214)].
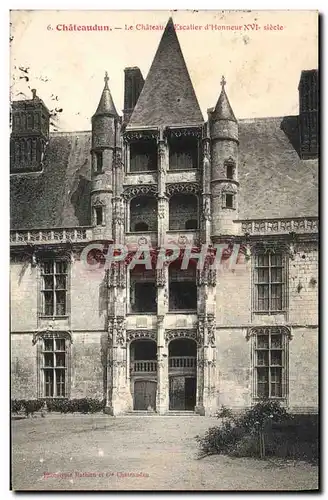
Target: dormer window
[(99, 162)]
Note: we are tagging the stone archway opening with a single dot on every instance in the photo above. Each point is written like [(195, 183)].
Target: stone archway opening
[(182, 374), (143, 374)]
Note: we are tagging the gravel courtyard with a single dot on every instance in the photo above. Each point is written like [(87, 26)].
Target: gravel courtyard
[(137, 453)]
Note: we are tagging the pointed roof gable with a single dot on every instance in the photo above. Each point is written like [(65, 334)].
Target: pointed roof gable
[(106, 104), (223, 109), (168, 96)]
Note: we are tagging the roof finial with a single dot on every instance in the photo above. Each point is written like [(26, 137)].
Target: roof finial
[(223, 82), (106, 79)]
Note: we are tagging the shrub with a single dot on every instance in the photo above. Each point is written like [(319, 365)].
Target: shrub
[(243, 433), (32, 405), (83, 405), (16, 405)]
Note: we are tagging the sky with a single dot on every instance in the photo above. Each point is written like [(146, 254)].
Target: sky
[(261, 67)]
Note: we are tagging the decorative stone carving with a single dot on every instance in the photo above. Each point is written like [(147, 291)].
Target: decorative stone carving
[(176, 334), (162, 204), (117, 275), (134, 191), (210, 324), (49, 333), (185, 132), (118, 159), (280, 225), (140, 334), (206, 213), (206, 276), (182, 187), (265, 330), (161, 149), (140, 134), (116, 330), (206, 151), (160, 277)]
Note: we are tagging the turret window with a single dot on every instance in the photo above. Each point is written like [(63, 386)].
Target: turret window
[(228, 200), (99, 216), (229, 171), (230, 168), (99, 162)]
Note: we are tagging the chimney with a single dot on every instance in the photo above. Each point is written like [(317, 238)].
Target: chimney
[(133, 84), (29, 135), (308, 114)]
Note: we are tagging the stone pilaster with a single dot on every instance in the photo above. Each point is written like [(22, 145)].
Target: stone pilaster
[(119, 399), (162, 395), (162, 211), (206, 188)]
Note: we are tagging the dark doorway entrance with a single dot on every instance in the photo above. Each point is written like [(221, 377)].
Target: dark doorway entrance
[(182, 393), (144, 395)]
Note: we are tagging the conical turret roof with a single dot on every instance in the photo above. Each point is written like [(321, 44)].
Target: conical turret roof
[(223, 109), (106, 104), (168, 96)]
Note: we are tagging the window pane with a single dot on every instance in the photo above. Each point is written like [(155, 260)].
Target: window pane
[(60, 359), (48, 282), (61, 282), (60, 344), (262, 382), (61, 267), (263, 275), (263, 297), (49, 382), (276, 297), (48, 344), (276, 382), (48, 359), (263, 341), (47, 267), (276, 274), (263, 291), (48, 303), (60, 382), (276, 259), (263, 358), (276, 358), (263, 260), (60, 303), (276, 340)]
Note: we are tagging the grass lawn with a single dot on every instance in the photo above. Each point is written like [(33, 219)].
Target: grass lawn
[(137, 453)]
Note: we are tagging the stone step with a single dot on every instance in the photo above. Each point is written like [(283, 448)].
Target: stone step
[(170, 413)]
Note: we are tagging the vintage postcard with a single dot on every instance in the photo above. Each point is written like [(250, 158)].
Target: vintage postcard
[(164, 250)]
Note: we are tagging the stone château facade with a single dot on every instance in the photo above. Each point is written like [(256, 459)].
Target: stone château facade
[(166, 339)]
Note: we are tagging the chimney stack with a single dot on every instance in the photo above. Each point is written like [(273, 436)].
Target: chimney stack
[(308, 114), (133, 84)]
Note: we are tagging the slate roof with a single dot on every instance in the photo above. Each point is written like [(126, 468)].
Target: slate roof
[(106, 104), (60, 195), (274, 181), (168, 96), (223, 109)]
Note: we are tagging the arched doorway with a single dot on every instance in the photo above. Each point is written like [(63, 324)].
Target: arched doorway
[(182, 374), (143, 372)]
